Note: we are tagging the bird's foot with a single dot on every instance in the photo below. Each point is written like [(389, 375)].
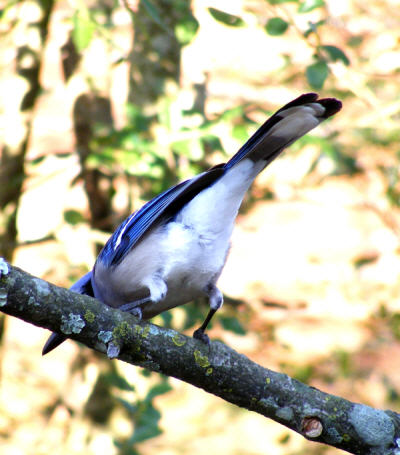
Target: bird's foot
[(199, 334), (133, 309)]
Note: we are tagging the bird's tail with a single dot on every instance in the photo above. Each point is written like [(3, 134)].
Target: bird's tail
[(82, 286), (291, 122), (54, 340)]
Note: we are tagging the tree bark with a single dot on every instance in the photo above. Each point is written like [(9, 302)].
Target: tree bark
[(218, 369)]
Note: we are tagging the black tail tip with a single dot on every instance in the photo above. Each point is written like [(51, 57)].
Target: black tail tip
[(331, 105), (55, 339)]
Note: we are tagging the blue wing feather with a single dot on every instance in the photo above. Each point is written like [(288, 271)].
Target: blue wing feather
[(163, 206), (83, 285)]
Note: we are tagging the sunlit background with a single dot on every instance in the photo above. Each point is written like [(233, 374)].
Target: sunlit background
[(104, 105)]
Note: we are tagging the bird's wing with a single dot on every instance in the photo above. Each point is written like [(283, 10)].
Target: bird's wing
[(83, 285), (163, 206)]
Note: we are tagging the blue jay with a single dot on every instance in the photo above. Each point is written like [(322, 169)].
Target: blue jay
[(174, 248)]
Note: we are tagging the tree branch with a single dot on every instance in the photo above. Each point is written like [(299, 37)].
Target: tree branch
[(219, 370)]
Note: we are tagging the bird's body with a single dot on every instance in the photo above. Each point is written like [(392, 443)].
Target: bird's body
[(173, 249), (176, 261)]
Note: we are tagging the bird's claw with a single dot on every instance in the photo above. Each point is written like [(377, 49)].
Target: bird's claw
[(199, 334)]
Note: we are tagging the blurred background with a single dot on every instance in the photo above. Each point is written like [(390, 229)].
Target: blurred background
[(105, 104)]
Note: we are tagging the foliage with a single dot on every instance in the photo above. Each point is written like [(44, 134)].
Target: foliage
[(225, 18), (316, 72), (143, 415)]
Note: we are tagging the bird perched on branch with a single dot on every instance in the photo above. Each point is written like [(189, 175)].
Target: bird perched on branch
[(174, 248)]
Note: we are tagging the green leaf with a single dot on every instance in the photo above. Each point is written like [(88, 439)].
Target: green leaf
[(393, 196), (211, 142), (336, 54), (276, 26), (167, 318), (232, 324), (186, 30), (317, 74), (158, 389), (183, 147), (122, 446), (144, 432), (284, 439), (146, 424), (225, 18), (132, 409), (119, 382), (240, 133), (194, 314), (395, 325), (366, 259), (73, 217), (303, 373), (309, 5), (38, 160), (83, 30)]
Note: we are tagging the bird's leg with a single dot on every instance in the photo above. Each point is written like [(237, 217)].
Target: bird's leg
[(216, 300), (200, 334), (134, 308), (158, 290)]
